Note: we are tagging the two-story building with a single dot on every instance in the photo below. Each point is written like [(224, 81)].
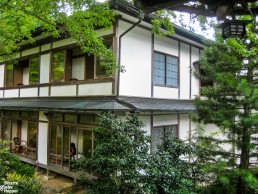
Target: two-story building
[(50, 97)]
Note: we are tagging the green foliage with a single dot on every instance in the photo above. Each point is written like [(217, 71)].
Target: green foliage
[(25, 184), (69, 18), (13, 170), (169, 170), (162, 19), (121, 161), (10, 163), (231, 104)]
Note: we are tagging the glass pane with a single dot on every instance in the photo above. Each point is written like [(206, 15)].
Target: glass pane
[(32, 140), (69, 118), (102, 70), (9, 75), (58, 66), (171, 130), (85, 142), (34, 71), (87, 119), (157, 136), (6, 132), (11, 114), (25, 115), (159, 69), (66, 158), (7, 113), (32, 135), (33, 115), (56, 117), (56, 144)]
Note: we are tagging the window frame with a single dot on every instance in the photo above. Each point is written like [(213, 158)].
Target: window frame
[(165, 81), (154, 147)]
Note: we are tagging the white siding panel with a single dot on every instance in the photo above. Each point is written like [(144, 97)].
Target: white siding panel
[(184, 126), (184, 71), (1, 93), (42, 116), (162, 120), (95, 89), (29, 92), (63, 90), (63, 42), (45, 47), (195, 81), (165, 92), (166, 45), (78, 68), (43, 91), (136, 58), (147, 124), (24, 130), (30, 51), (2, 75), (14, 93), (42, 142), (44, 68)]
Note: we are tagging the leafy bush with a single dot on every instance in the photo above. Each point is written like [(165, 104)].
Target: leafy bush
[(122, 163), (13, 170), (25, 184)]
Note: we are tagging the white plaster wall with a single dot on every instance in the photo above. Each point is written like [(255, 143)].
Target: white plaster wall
[(78, 68), (95, 89), (43, 91), (147, 124), (30, 51), (12, 93), (195, 81), (184, 126), (44, 68), (63, 90), (42, 116), (165, 92), (29, 92), (42, 142), (166, 45), (25, 76), (1, 93), (136, 58), (161, 120), (2, 75), (14, 129), (24, 130), (184, 71)]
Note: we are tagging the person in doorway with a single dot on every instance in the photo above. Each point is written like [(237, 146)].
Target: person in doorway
[(72, 151)]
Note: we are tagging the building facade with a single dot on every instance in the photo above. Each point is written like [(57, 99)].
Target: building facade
[(51, 95)]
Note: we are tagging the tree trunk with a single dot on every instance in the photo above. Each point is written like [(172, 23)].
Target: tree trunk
[(245, 154)]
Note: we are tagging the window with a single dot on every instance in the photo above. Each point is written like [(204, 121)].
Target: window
[(159, 133), (58, 66), (9, 75), (165, 70), (34, 71), (25, 72), (102, 71)]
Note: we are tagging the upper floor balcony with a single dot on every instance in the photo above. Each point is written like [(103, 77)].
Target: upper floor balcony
[(57, 68)]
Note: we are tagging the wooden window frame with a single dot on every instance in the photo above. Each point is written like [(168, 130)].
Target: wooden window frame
[(166, 85)]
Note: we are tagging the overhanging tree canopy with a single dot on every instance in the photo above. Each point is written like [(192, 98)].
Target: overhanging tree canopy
[(209, 8)]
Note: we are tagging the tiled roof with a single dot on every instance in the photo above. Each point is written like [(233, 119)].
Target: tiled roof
[(98, 104), (154, 104)]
